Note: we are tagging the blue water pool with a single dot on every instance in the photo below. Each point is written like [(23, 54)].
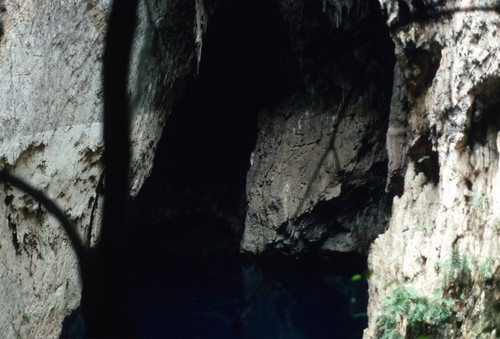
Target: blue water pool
[(190, 285)]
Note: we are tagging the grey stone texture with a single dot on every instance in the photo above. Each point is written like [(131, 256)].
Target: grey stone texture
[(51, 135), (384, 147), (316, 181), (443, 151)]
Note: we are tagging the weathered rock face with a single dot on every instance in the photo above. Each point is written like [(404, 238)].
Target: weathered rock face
[(50, 135), (333, 145), (316, 181), (443, 147), (311, 82), (202, 159)]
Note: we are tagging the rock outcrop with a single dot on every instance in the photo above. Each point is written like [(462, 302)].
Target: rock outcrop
[(51, 135), (316, 181), (443, 240), (375, 134)]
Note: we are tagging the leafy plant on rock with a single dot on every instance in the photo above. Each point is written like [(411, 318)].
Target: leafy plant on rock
[(486, 267), (457, 274), (407, 311)]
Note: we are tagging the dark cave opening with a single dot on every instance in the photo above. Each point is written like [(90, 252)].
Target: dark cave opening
[(189, 215), (425, 157), (202, 159), (484, 120), (187, 277)]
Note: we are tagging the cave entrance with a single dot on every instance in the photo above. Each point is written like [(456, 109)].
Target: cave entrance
[(203, 157), (188, 278)]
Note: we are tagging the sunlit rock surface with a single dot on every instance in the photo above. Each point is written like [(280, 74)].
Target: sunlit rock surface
[(377, 115), (443, 147), (51, 135)]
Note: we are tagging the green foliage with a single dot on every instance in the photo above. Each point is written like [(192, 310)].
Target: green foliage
[(457, 274), (17, 331), (26, 318), (356, 277), (423, 315), (423, 158), (407, 313), (486, 267), (354, 305), (478, 201), (420, 228), (363, 276)]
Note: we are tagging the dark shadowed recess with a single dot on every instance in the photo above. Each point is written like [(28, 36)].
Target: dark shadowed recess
[(203, 156), (189, 279)]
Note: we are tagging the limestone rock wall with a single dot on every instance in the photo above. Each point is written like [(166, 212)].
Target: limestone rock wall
[(51, 135), (316, 181), (443, 147), (330, 154)]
